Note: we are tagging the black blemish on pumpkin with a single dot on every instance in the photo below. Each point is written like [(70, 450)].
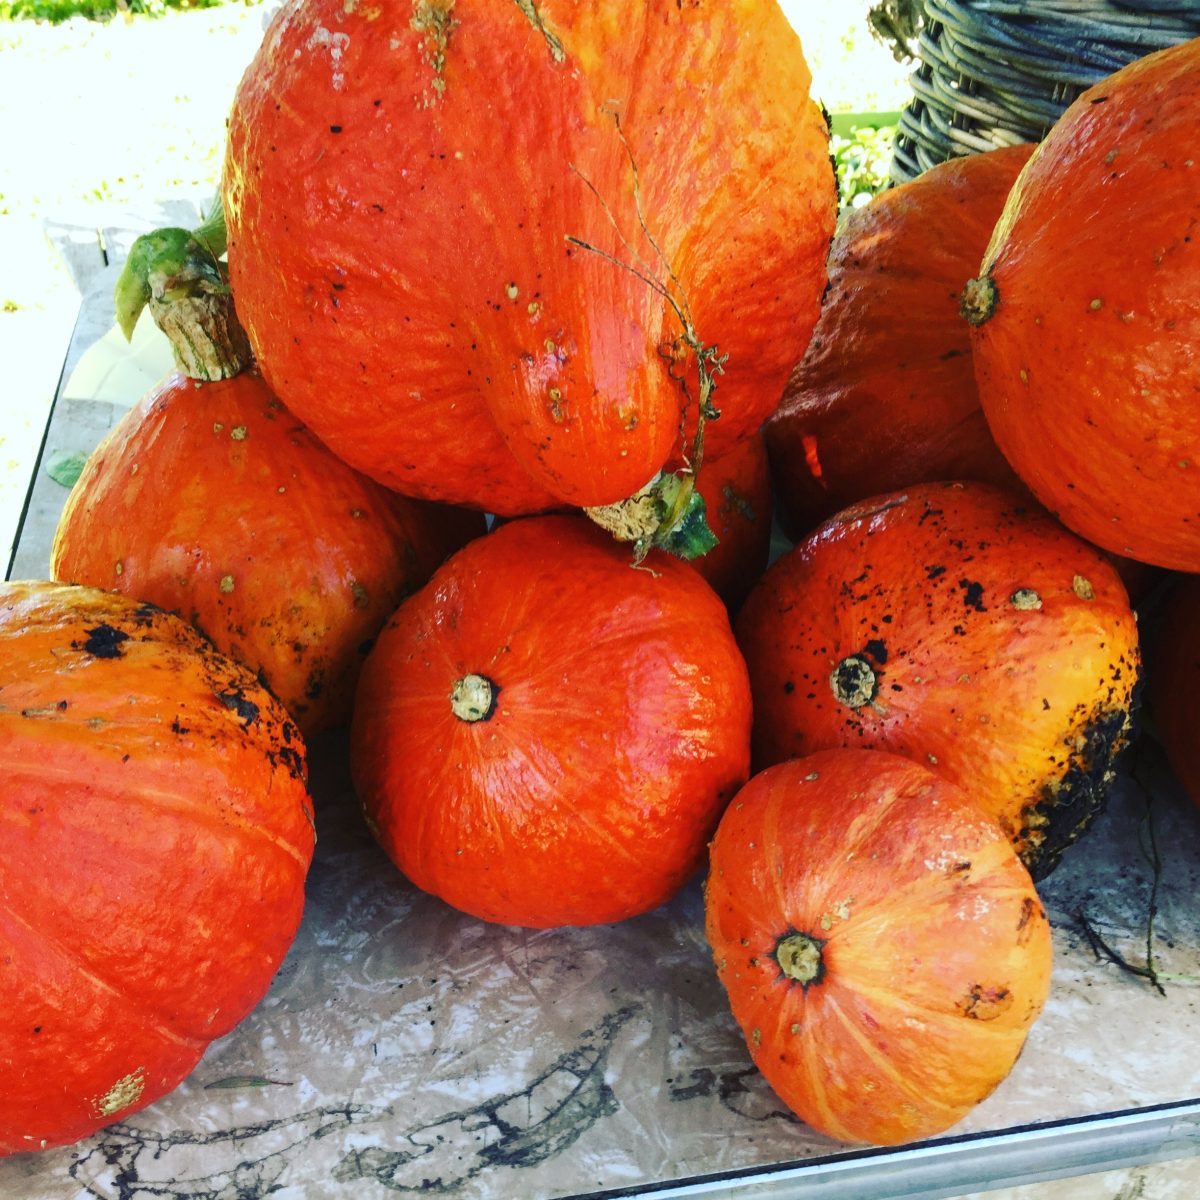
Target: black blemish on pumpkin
[(290, 759), (929, 512), (789, 687), (949, 354), (934, 572), (877, 650), (972, 594), (316, 685), (335, 129), (236, 700), (1070, 802), (103, 642), (146, 614), (178, 728), (61, 706)]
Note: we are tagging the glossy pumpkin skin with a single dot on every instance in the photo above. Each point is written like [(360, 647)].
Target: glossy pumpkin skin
[(736, 489), (499, 193), (155, 833), (885, 395), (883, 948), (288, 559), (618, 726), (954, 625), (1173, 681), (1088, 306)]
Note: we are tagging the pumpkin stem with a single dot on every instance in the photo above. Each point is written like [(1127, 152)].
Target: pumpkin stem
[(668, 513), (854, 681), (473, 698), (800, 959), (179, 275), (979, 299)]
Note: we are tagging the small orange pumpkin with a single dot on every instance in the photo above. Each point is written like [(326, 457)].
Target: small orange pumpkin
[(883, 949), (211, 500), (545, 735), (885, 396), (155, 834), (1086, 315), (963, 628)]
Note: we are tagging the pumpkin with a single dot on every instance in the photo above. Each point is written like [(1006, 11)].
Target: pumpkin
[(954, 625), (736, 490), (883, 948), (1086, 315), (1173, 680), (546, 736), (885, 396), (155, 834), (213, 501), (492, 253)]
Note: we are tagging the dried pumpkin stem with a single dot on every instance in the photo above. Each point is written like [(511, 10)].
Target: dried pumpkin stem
[(800, 958), (179, 276), (979, 299), (473, 698)]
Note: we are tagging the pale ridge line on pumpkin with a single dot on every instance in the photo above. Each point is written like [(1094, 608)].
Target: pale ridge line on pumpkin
[(911, 894), (557, 795), (884, 1064), (889, 998), (70, 955), (202, 807)]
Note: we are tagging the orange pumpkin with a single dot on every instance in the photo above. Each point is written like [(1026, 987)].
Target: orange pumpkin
[(543, 213), (213, 501), (885, 394), (155, 834), (1086, 315), (545, 735), (736, 490), (883, 948), (1173, 680), (954, 625)]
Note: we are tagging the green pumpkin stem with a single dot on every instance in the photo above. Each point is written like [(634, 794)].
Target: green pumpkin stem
[(179, 275)]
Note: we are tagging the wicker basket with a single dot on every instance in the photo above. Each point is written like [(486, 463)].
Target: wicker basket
[(997, 72)]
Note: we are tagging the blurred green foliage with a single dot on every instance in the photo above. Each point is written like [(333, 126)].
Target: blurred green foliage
[(55, 11), (862, 158)]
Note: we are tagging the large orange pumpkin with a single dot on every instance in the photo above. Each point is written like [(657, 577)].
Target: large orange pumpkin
[(478, 246), (1173, 680), (955, 625), (1086, 315), (885, 394), (155, 833), (545, 735), (213, 501), (883, 948)]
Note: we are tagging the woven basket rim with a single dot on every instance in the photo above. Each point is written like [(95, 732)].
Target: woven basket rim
[(998, 72)]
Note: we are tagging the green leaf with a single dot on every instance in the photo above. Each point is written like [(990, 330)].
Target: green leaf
[(65, 467), (245, 1081)]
